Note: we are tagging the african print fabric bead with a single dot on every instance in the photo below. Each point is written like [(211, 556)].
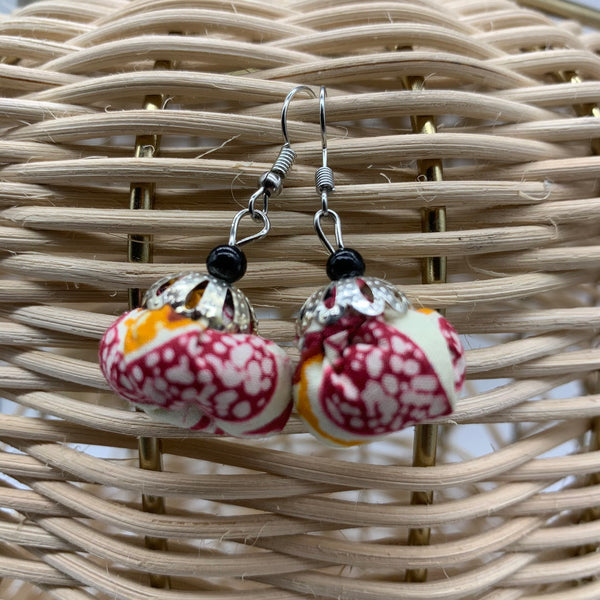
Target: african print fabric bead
[(362, 377), (181, 371)]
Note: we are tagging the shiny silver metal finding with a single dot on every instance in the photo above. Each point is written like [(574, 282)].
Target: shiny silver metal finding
[(368, 296), (270, 183), (252, 202), (200, 297), (285, 107), (258, 215), (337, 228), (324, 175), (325, 185)]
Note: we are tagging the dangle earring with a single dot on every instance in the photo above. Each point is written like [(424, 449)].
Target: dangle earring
[(370, 363), (190, 355)]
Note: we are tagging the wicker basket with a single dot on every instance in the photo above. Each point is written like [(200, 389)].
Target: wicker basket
[(500, 96)]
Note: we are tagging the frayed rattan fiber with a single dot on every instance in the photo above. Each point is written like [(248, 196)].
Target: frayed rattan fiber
[(512, 94)]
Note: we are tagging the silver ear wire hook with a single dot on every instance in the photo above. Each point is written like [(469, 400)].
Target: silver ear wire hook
[(324, 175), (323, 123), (286, 105), (270, 183), (259, 215), (337, 229), (325, 185)]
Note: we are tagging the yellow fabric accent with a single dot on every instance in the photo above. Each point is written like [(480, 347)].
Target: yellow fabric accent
[(426, 311), (194, 298), (303, 404), (145, 325)]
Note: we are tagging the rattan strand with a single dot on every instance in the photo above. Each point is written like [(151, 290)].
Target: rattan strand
[(286, 518)]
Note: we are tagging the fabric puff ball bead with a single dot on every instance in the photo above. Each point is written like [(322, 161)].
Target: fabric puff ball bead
[(182, 372), (372, 365)]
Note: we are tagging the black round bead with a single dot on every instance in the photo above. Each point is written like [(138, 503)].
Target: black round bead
[(227, 263), (345, 263)]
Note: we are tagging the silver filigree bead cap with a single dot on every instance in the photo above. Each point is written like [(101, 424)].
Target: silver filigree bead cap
[(204, 298), (366, 295)]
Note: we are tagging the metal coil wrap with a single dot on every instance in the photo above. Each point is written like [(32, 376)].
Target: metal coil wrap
[(324, 180), (284, 161)]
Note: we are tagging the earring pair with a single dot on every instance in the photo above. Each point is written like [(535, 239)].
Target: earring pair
[(370, 363)]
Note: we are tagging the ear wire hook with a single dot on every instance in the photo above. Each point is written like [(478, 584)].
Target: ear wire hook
[(285, 107), (325, 185), (324, 175), (323, 123), (270, 183)]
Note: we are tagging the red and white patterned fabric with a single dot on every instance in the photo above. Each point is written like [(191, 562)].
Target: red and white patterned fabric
[(363, 377), (184, 373)]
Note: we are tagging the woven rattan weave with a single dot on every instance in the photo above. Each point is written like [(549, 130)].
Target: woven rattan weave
[(512, 97)]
